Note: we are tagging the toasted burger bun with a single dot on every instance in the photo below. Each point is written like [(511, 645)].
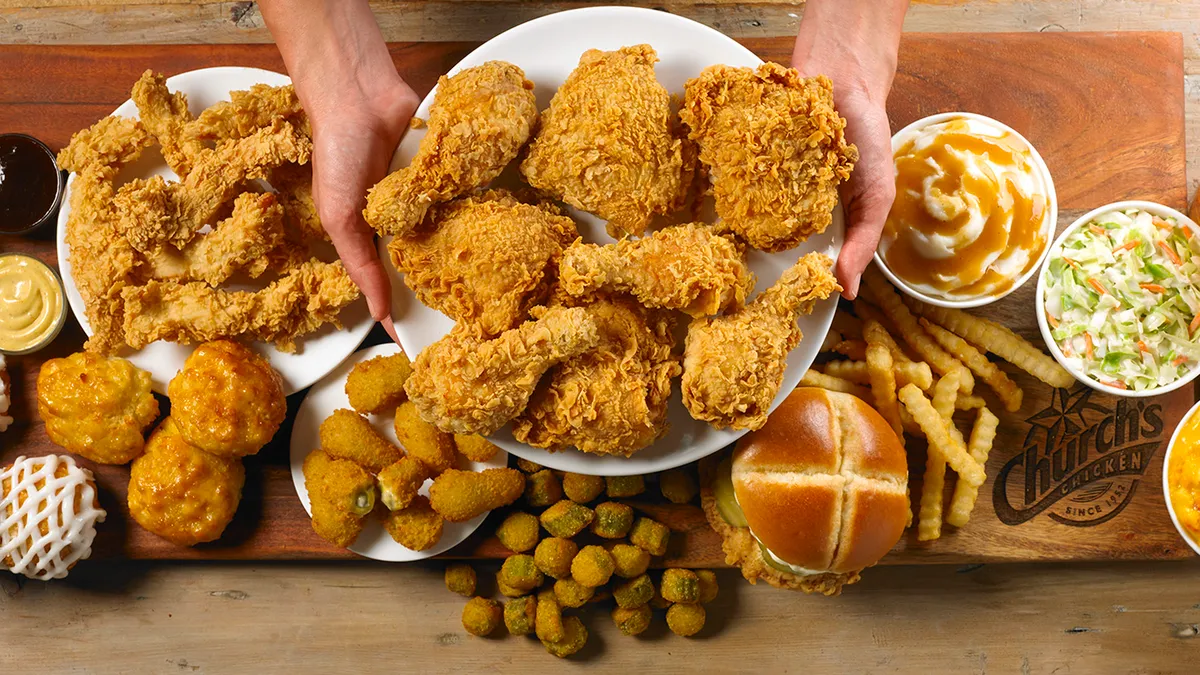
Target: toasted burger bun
[(823, 486)]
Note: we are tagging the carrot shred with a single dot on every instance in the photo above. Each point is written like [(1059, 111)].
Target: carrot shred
[(1129, 245), (1153, 288), (1179, 360), (1117, 384), (1194, 324), (1170, 253), (1162, 224), (1096, 285), (1070, 262), (1091, 352), (1142, 347), (1096, 229), (1051, 320)]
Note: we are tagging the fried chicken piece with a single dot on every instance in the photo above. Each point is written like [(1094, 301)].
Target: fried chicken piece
[(295, 305), (248, 111), (733, 364), (607, 144), (293, 183), (165, 115), (227, 400), (466, 385), (775, 148), (613, 399), (106, 146), (480, 119), (687, 267), (241, 241), (462, 495), (485, 260), (154, 212)]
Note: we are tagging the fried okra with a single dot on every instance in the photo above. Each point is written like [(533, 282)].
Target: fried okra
[(399, 483), (481, 616), (632, 621), (650, 535), (624, 486), (416, 526), (422, 441), (542, 488), (347, 435), (518, 571), (566, 518), (475, 447), (553, 556), (629, 561), (461, 579), (520, 615), (708, 585), (549, 621), (612, 520), (581, 488), (678, 486), (508, 591), (593, 566), (528, 466), (685, 619), (462, 495), (679, 585), (571, 593), (635, 592), (519, 532), (376, 385), (574, 638)]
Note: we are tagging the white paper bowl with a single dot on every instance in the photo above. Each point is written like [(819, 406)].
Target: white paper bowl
[(1166, 483), (1048, 223), (1149, 207)]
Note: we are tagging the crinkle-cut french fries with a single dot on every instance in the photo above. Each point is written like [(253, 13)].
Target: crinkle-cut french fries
[(966, 492), (997, 339), (1008, 391), (849, 326), (883, 380), (832, 339), (965, 402), (815, 378), (852, 349), (866, 311), (938, 435), (913, 372)]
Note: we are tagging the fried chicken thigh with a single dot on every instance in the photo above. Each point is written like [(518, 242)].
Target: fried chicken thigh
[(733, 364), (775, 149), (607, 144), (484, 260), (613, 399), (480, 119), (686, 267), (466, 385)]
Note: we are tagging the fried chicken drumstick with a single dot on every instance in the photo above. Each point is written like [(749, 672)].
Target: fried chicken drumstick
[(733, 364), (480, 119), (775, 149)]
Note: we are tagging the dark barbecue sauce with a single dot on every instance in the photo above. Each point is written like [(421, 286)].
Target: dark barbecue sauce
[(29, 183)]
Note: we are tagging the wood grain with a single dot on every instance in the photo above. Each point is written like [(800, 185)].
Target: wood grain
[(1144, 132)]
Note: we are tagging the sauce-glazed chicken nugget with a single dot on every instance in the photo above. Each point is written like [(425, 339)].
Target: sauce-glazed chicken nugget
[(424, 442), (462, 495), (417, 527), (376, 385), (347, 435)]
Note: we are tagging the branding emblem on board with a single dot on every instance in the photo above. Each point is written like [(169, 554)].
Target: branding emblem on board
[(1081, 461)]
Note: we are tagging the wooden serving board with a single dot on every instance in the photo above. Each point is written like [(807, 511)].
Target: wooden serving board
[(1074, 475)]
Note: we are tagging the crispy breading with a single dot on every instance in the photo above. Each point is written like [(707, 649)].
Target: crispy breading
[(376, 386), (775, 148), (247, 111), (466, 385), (480, 119), (687, 267), (347, 435), (293, 183), (484, 260), (733, 364), (612, 399), (165, 115), (106, 146), (462, 495), (607, 145)]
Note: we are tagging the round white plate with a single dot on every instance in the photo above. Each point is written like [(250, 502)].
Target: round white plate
[(320, 351), (548, 49), (330, 394)]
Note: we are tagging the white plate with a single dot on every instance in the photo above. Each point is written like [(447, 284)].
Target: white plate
[(319, 352), (330, 394), (548, 49)]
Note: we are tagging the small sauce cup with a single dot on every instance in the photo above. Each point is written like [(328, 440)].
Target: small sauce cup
[(31, 185), (1183, 449), (33, 304)]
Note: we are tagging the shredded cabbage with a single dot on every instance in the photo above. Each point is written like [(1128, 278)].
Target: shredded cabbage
[(1123, 299)]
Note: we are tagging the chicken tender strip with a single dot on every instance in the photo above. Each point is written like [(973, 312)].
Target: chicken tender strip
[(465, 385), (165, 115), (775, 149), (480, 119), (106, 146), (487, 260), (687, 267), (608, 144), (154, 212), (293, 183), (295, 305), (248, 111), (254, 230), (733, 364)]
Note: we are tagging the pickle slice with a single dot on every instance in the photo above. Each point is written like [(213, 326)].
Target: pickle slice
[(727, 504)]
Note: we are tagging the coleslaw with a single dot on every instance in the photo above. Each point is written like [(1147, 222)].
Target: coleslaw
[(1123, 299)]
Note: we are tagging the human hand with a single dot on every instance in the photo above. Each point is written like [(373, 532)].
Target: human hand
[(854, 43)]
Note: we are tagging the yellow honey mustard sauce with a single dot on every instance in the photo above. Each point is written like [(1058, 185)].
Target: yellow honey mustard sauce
[(31, 303)]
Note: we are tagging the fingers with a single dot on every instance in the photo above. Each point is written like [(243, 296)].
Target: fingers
[(357, 251), (867, 196)]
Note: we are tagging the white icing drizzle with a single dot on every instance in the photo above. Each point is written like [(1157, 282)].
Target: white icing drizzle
[(5, 420), (39, 556)]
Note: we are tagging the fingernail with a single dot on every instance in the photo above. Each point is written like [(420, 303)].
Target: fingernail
[(373, 309)]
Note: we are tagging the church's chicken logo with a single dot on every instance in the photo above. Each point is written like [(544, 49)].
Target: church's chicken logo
[(1081, 462)]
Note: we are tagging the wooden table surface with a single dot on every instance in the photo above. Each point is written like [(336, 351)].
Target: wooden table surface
[(362, 617)]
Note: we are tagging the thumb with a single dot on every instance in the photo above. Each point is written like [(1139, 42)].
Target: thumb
[(356, 248), (865, 216)]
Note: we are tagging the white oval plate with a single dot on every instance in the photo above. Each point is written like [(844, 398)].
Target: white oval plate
[(548, 49), (330, 394), (320, 352)]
